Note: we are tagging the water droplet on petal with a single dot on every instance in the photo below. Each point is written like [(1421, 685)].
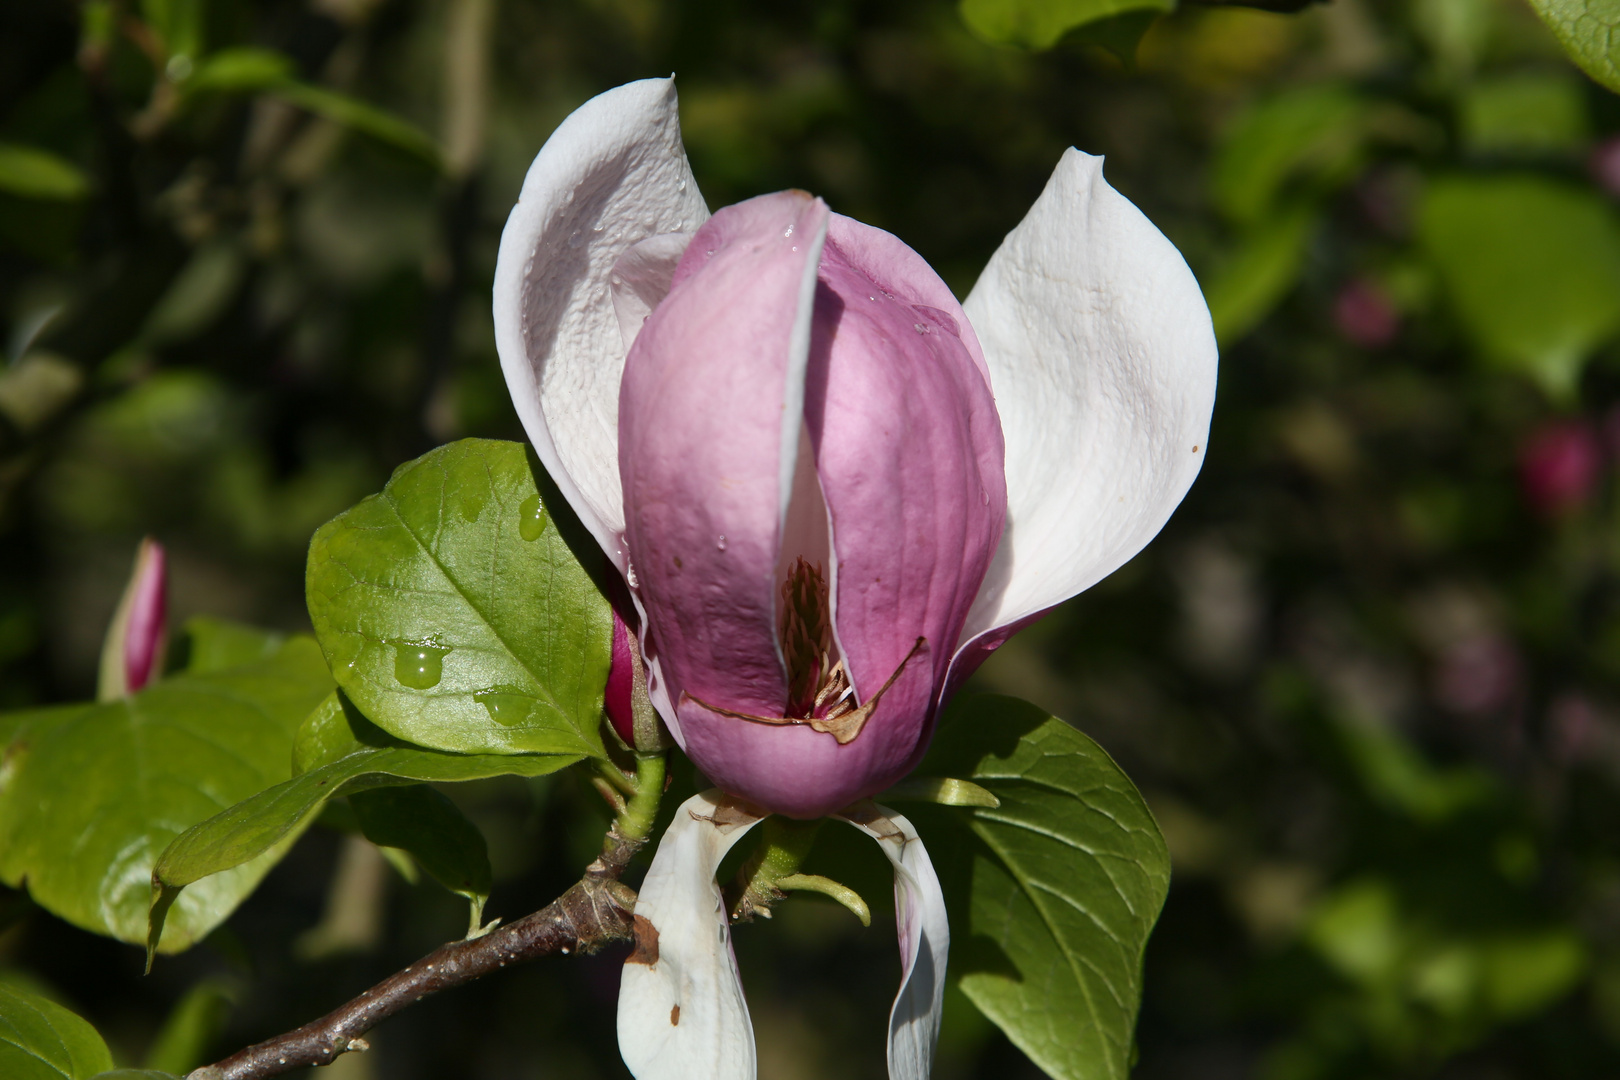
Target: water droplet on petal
[(630, 575), (984, 496), (419, 664), (871, 298), (531, 518), (789, 232), (596, 228), (615, 280), (922, 328), (721, 543), (709, 253)]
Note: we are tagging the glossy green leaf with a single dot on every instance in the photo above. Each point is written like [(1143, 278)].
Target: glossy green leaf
[(437, 834), (1053, 896), (345, 754), (1532, 268), (40, 1040), (1039, 24), (455, 615), (1589, 30), (1256, 276), (92, 794), (38, 174)]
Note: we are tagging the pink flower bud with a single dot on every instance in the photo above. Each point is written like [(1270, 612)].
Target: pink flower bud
[(1558, 467), (1364, 314), (138, 636), (616, 697)]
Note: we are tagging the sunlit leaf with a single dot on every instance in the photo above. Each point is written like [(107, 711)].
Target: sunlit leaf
[(92, 794), (38, 174), (40, 1040), (345, 754), (240, 70), (1053, 896), (455, 615), (1532, 267), (1589, 30), (1039, 24)]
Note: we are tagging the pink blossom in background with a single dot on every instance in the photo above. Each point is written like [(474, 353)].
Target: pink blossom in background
[(1478, 676), (1365, 315), (1559, 466), (1604, 165), (138, 636)]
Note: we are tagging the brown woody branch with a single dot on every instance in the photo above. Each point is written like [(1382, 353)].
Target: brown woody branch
[(594, 911)]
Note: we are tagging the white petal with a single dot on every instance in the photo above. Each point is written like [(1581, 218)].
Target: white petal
[(641, 278), (611, 175), (925, 942), (1102, 359), (681, 1010)]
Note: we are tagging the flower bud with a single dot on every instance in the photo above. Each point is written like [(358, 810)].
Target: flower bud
[(138, 636), (625, 697)]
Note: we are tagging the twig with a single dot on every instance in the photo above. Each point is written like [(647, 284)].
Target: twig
[(594, 911)]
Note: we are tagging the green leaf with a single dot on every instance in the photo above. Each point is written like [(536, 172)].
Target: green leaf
[(192, 1026), (1525, 113), (438, 835), (40, 1040), (251, 70), (1314, 133), (209, 644), (1039, 24), (1532, 268), (242, 70), (350, 755), (38, 174), (1055, 893), (367, 119), (135, 1074), (454, 614), (92, 794), (1255, 277), (1589, 30)]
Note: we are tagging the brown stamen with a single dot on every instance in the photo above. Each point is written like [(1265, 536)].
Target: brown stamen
[(843, 721)]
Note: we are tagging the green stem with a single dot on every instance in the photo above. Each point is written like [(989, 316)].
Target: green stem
[(635, 821), (783, 846)]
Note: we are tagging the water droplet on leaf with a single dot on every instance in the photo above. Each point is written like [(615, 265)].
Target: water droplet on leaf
[(419, 664), (507, 705), (531, 518)]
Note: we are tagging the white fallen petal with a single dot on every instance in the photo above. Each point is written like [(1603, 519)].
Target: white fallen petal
[(613, 173), (681, 1010), (1102, 359), (925, 942)]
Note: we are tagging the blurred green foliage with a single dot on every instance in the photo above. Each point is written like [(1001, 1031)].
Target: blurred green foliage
[(1368, 679)]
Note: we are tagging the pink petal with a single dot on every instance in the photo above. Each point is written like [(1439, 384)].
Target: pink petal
[(138, 636), (708, 420)]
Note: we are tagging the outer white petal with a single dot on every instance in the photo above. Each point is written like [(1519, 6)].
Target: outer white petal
[(1102, 359), (681, 1010), (925, 942), (641, 279), (612, 174)]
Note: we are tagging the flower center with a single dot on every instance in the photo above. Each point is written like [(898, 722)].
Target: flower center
[(816, 681)]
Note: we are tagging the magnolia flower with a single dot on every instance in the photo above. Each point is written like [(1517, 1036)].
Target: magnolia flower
[(831, 491)]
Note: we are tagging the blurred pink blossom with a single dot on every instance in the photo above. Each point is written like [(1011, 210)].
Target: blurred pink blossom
[(1604, 165), (1478, 675), (1365, 315), (1558, 466)]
